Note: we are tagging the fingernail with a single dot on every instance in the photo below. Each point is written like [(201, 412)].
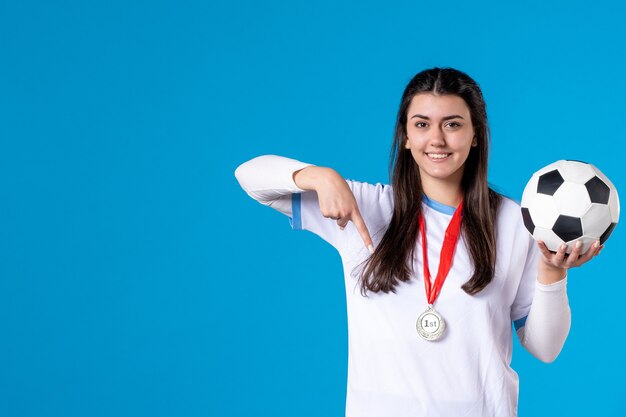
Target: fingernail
[(564, 246), (370, 248), (596, 244), (341, 227), (578, 244)]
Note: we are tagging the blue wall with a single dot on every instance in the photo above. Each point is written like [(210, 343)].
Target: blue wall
[(137, 278)]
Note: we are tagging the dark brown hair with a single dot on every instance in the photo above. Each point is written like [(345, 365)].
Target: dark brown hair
[(392, 259)]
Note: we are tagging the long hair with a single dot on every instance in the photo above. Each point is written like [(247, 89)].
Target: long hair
[(392, 260)]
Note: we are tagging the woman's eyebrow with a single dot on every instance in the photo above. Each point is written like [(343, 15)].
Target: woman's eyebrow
[(453, 116)]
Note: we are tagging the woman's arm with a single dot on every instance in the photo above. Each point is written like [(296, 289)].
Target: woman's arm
[(548, 322), (271, 179), (549, 319)]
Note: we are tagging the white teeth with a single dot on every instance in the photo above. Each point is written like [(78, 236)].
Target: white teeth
[(438, 155)]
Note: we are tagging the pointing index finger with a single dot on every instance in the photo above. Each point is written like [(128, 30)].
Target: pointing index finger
[(362, 229)]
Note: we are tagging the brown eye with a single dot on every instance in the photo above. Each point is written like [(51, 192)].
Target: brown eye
[(420, 124)]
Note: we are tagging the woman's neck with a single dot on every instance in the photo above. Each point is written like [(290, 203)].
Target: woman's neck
[(444, 192)]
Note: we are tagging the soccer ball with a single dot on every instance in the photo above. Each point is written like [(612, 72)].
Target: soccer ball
[(568, 201)]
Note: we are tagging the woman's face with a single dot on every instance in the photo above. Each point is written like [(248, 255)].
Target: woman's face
[(440, 135)]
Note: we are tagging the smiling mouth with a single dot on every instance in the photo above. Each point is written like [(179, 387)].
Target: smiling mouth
[(438, 156)]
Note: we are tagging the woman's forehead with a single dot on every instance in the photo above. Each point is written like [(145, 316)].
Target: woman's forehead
[(437, 106)]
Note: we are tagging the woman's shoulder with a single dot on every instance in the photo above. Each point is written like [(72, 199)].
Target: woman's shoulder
[(370, 190), (509, 205), (375, 201), (510, 213), (368, 184)]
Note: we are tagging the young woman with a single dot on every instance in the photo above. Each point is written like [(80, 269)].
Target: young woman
[(437, 266)]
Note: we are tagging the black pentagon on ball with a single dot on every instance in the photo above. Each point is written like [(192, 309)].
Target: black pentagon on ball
[(549, 182), (568, 228), (598, 191), (528, 222), (607, 233)]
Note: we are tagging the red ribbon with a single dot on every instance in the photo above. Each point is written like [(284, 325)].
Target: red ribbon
[(445, 258)]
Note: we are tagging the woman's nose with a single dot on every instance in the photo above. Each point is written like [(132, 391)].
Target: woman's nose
[(437, 137)]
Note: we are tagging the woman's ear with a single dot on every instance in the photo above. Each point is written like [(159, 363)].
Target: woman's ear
[(474, 142)]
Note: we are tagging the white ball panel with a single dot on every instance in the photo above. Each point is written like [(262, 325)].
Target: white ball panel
[(551, 240), (614, 206), (548, 168), (603, 177), (530, 191), (596, 220), (576, 172), (572, 199), (543, 210)]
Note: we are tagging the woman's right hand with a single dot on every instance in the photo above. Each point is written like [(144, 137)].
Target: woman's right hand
[(335, 198)]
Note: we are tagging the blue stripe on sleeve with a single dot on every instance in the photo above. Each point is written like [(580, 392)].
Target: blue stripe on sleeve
[(520, 323), (296, 221)]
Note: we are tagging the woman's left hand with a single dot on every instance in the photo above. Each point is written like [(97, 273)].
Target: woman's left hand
[(561, 260), (553, 266)]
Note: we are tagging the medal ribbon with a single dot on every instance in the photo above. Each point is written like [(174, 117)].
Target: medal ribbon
[(445, 258)]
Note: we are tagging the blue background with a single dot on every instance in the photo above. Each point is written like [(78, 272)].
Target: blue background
[(137, 278)]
